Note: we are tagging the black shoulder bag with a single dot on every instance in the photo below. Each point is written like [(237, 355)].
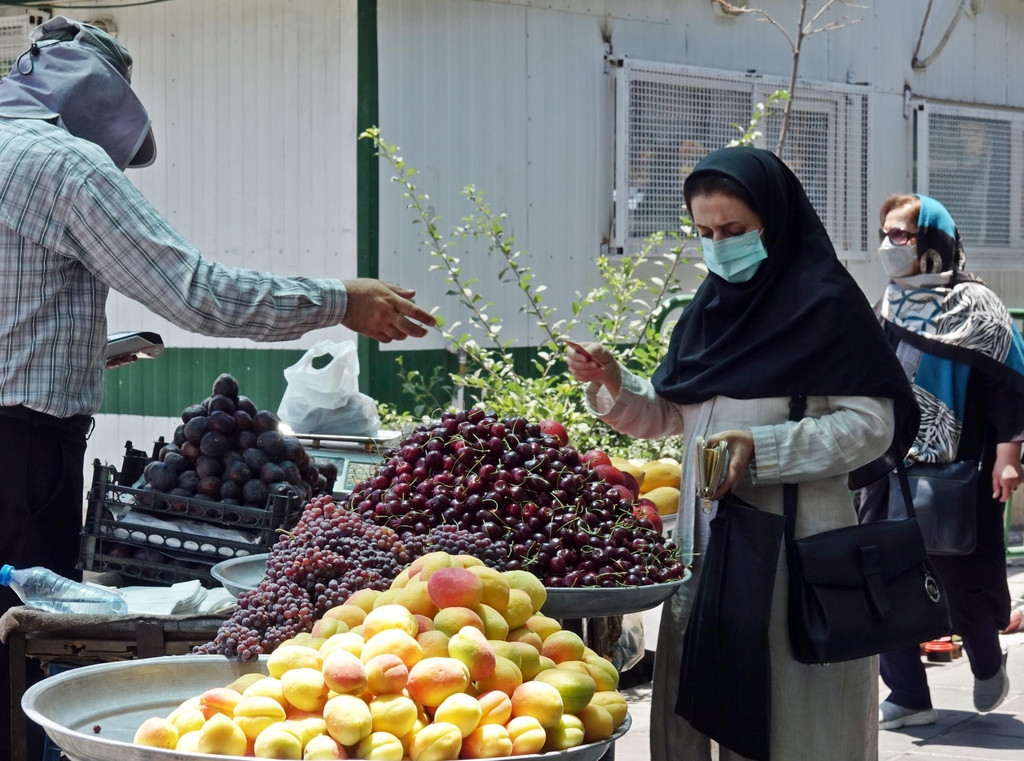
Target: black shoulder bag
[(945, 500), (861, 590)]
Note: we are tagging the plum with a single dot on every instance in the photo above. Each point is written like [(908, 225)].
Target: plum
[(255, 459), (246, 440), (264, 421), (272, 444), (196, 428), (190, 451), (293, 450), (238, 472), (215, 444), (271, 473), (243, 421), (221, 403), (207, 466), (291, 472), (196, 410), (161, 476), (254, 493), (179, 435), (189, 482), (210, 487), (245, 405), (176, 462), (225, 385), (230, 490), (221, 422)]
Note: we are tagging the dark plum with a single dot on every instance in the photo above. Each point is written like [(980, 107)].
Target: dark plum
[(229, 457), (255, 459), (215, 444), (291, 472), (293, 450), (225, 385), (190, 451), (189, 482), (254, 493), (264, 421), (243, 421), (176, 462), (244, 404), (221, 422), (246, 440), (210, 487), (230, 490), (272, 444), (271, 473), (161, 476), (196, 410), (196, 428), (207, 466), (179, 435), (168, 449), (221, 403), (238, 472)]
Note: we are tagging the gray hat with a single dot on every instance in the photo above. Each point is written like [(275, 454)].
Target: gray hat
[(80, 76)]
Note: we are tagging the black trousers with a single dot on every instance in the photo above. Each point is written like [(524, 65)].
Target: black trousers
[(41, 494)]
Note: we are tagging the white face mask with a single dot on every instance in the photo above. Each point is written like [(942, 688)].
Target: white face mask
[(897, 261)]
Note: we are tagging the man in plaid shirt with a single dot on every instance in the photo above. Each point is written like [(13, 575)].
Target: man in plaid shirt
[(71, 227)]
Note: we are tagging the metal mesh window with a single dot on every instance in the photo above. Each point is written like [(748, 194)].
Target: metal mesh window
[(13, 40), (970, 160), (668, 117)]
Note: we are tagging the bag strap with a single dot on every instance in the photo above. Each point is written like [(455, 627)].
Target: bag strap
[(901, 474), (797, 408)]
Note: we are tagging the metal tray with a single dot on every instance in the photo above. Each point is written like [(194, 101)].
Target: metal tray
[(241, 574), (596, 602), (118, 697)]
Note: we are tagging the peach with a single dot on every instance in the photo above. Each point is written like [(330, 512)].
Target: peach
[(461, 710), (597, 724), (416, 599), (527, 582), (309, 724), (297, 640), (426, 565), (546, 663), (364, 599), (158, 733), (434, 644), (439, 741), (602, 672), (541, 701), (578, 666), (614, 703), (495, 587), (351, 615), (467, 561), (424, 623), (386, 673), (389, 617), (218, 700), (328, 627), (518, 610), (293, 728), (348, 719), (576, 689), (393, 642), (507, 650), (344, 673), (274, 742), (567, 733), (305, 689), (451, 620), (381, 746), (285, 659), (529, 660), (188, 743), (268, 687), (470, 647), (488, 741), (522, 634), (495, 625), (245, 680), (434, 679), (495, 707), (393, 713), (563, 646), (350, 641), (506, 677), (455, 588), (189, 720), (193, 704), (221, 736), (543, 626), (400, 580), (417, 727), (387, 597), (324, 748), (256, 713), (527, 735)]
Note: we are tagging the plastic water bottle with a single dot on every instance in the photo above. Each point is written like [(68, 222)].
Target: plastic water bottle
[(42, 589)]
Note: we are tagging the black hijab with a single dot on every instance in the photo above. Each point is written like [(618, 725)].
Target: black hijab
[(800, 326)]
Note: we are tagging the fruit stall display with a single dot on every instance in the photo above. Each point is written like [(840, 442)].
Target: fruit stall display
[(222, 488), (453, 660), (505, 492)]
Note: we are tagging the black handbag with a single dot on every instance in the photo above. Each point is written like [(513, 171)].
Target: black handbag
[(945, 500), (860, 590), (725, 674)]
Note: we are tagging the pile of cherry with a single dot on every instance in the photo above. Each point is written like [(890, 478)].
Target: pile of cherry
[(520, 485)]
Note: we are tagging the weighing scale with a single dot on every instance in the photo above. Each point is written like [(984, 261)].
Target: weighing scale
[(357, 457)]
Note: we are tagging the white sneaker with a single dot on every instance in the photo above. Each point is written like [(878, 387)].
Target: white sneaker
[(892, 716), (990, 693)]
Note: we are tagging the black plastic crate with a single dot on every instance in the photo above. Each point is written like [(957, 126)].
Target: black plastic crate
[(101, 554)]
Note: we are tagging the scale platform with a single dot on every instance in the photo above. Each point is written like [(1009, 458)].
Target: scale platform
[(357, 457)]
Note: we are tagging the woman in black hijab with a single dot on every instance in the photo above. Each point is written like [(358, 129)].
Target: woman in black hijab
[(778, 316)]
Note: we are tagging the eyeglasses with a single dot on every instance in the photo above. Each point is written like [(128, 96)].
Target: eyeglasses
[(897, 235)]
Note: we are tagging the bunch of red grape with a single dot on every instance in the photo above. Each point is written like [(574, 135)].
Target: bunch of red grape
[(330, 554), (510, 483)]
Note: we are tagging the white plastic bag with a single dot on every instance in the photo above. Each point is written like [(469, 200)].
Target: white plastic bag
[(630, 648), (328, 400)]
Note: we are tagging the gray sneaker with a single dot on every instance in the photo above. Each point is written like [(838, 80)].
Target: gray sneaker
[(892, 716), (990, 693)]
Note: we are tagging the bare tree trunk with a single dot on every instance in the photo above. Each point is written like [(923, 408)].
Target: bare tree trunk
[(784, 131)]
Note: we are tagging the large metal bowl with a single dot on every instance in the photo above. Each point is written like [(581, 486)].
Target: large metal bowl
[(597, 602), (117, 697), (240, 575)]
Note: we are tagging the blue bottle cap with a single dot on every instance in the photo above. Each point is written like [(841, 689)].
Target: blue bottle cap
[(5, 575)]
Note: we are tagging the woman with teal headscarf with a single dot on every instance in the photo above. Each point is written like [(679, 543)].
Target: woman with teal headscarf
[(965, 359)]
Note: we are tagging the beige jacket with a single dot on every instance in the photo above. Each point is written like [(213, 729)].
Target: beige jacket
[(818, 712)]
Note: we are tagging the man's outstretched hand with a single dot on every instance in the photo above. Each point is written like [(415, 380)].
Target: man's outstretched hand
[(383, 311)]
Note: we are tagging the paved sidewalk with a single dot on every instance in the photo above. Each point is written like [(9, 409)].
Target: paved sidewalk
[(960, 734)]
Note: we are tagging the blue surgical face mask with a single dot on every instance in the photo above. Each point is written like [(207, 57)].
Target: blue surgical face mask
[(735, 259)]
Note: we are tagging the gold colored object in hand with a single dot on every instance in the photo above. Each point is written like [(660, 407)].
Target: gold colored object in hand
[(710, 462)]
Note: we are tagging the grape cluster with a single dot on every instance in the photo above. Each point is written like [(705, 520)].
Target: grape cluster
[(526, 498), (330, 554)]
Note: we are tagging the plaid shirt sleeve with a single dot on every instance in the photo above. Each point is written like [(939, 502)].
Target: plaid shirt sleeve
[(118, 235)]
